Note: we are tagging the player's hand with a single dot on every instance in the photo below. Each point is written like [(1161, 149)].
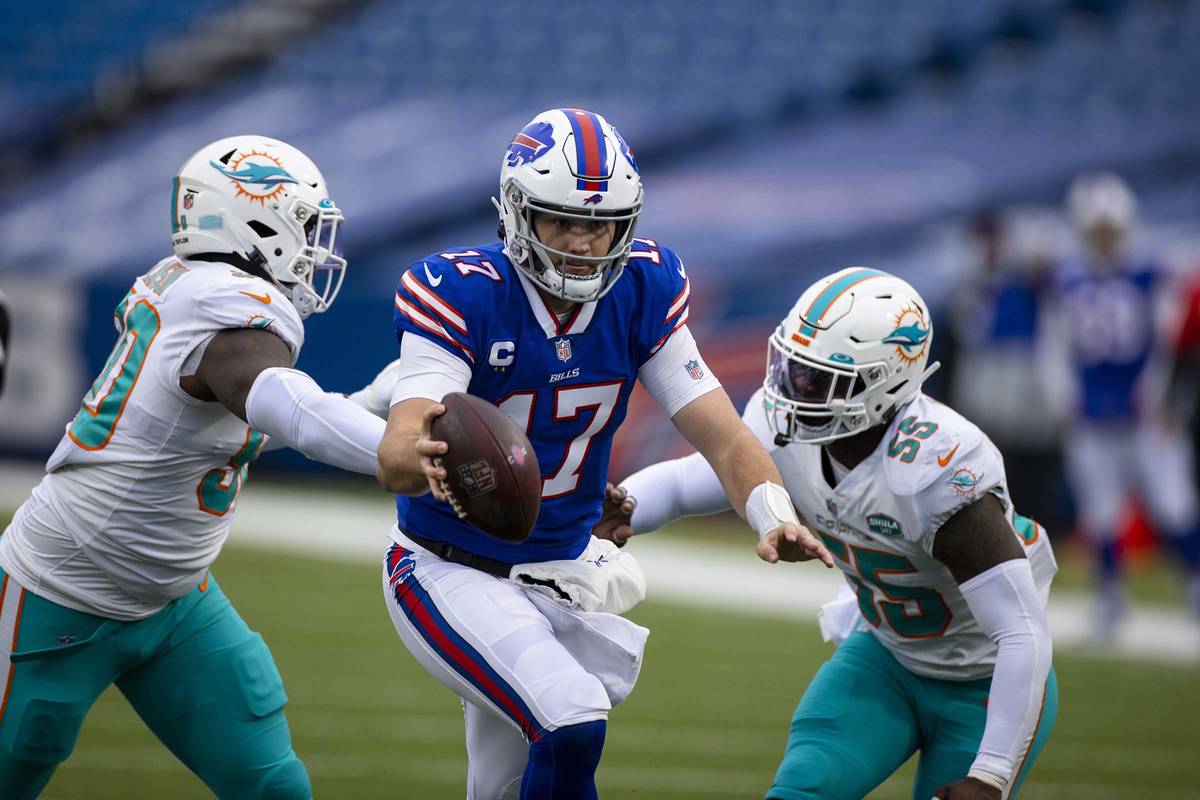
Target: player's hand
[(967, 789), (429, 451), (791, 542), (615, 522)]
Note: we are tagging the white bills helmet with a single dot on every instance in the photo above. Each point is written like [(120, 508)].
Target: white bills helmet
[(262, 205), (1097, 198), (573, 164), (853, 349)]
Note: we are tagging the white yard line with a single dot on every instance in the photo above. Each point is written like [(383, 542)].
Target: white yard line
[(309, 521)]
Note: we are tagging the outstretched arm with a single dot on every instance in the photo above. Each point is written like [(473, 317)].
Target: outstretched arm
[(249, 372), (749, 478), (981, 551)]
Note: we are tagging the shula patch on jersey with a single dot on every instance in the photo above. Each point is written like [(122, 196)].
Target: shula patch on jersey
[(883, 525)]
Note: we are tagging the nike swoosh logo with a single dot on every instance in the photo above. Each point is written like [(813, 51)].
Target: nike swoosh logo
[(429, 277), (944, 460), (265, 299)]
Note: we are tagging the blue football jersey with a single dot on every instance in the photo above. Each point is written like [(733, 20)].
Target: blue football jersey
[(567, 383), (1110, 319)]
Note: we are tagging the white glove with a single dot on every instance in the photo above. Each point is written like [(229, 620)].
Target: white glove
[(376, 396)]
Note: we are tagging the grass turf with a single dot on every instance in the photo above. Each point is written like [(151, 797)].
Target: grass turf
[(707, 722)]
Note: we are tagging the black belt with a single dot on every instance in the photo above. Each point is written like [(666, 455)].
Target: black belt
[(456, 555)]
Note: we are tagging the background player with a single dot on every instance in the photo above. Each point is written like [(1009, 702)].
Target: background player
[(106, 567), (946, 648), (4, 335), (553, 324), (1110, 305)]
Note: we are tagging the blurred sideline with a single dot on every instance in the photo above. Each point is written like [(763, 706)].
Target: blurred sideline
[(309, 521)]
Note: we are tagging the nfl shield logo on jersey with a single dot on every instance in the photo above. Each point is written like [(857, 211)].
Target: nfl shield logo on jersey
[(562, 348), (694, 369)]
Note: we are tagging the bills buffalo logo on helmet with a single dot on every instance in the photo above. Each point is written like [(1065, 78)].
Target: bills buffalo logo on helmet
[(626, 150), (533, 142), (596, 198)]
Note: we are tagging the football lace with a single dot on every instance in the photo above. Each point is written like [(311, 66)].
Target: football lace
[(452, 500)]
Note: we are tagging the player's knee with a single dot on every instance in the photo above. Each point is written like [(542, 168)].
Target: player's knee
[(47, 730), (812, 770), (45, 735), (257, 677), (286, 781), (577, 696)]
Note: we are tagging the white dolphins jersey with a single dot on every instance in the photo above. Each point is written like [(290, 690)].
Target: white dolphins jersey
[(880, 520), (138, 496)]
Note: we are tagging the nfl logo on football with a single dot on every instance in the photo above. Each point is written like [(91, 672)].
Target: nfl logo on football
[(562, 348)]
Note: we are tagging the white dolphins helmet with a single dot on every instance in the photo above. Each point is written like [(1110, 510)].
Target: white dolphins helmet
[(568, 163), (264, 203), (853, 349)]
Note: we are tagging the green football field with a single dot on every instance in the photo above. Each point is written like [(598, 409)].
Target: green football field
[(707, 721)]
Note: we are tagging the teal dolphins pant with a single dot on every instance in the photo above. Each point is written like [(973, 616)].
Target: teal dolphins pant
[(196, 674), (864, 715)]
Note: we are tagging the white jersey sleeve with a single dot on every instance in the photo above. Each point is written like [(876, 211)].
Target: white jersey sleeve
[(244, 302), (953, 464), (676, 374)]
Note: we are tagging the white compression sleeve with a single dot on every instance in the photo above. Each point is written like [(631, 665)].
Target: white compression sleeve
[(1007, 605), (376, 396), (289, 406), (682, 487)]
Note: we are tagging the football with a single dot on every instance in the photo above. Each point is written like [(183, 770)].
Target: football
[(492, 477)]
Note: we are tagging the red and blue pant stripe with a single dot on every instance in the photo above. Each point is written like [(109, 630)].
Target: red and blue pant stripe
[(423, 614)]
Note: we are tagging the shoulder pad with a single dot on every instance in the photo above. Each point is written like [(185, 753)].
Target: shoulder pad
[(235, 299), (927, 442)]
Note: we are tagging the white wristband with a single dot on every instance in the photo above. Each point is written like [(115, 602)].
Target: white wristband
[(768, 507), (995, 781)]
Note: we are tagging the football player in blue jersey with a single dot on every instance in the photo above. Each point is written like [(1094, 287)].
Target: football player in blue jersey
[(3, 338), (1108, 303), (553, 324)]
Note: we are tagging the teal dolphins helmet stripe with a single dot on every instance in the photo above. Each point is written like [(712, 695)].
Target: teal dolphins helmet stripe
[(175, 205), (831, 293), (908, 336), (265, 175)]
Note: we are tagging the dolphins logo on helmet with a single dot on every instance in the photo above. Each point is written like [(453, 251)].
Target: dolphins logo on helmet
[(261, 170), (910, 335), (531, 143)]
